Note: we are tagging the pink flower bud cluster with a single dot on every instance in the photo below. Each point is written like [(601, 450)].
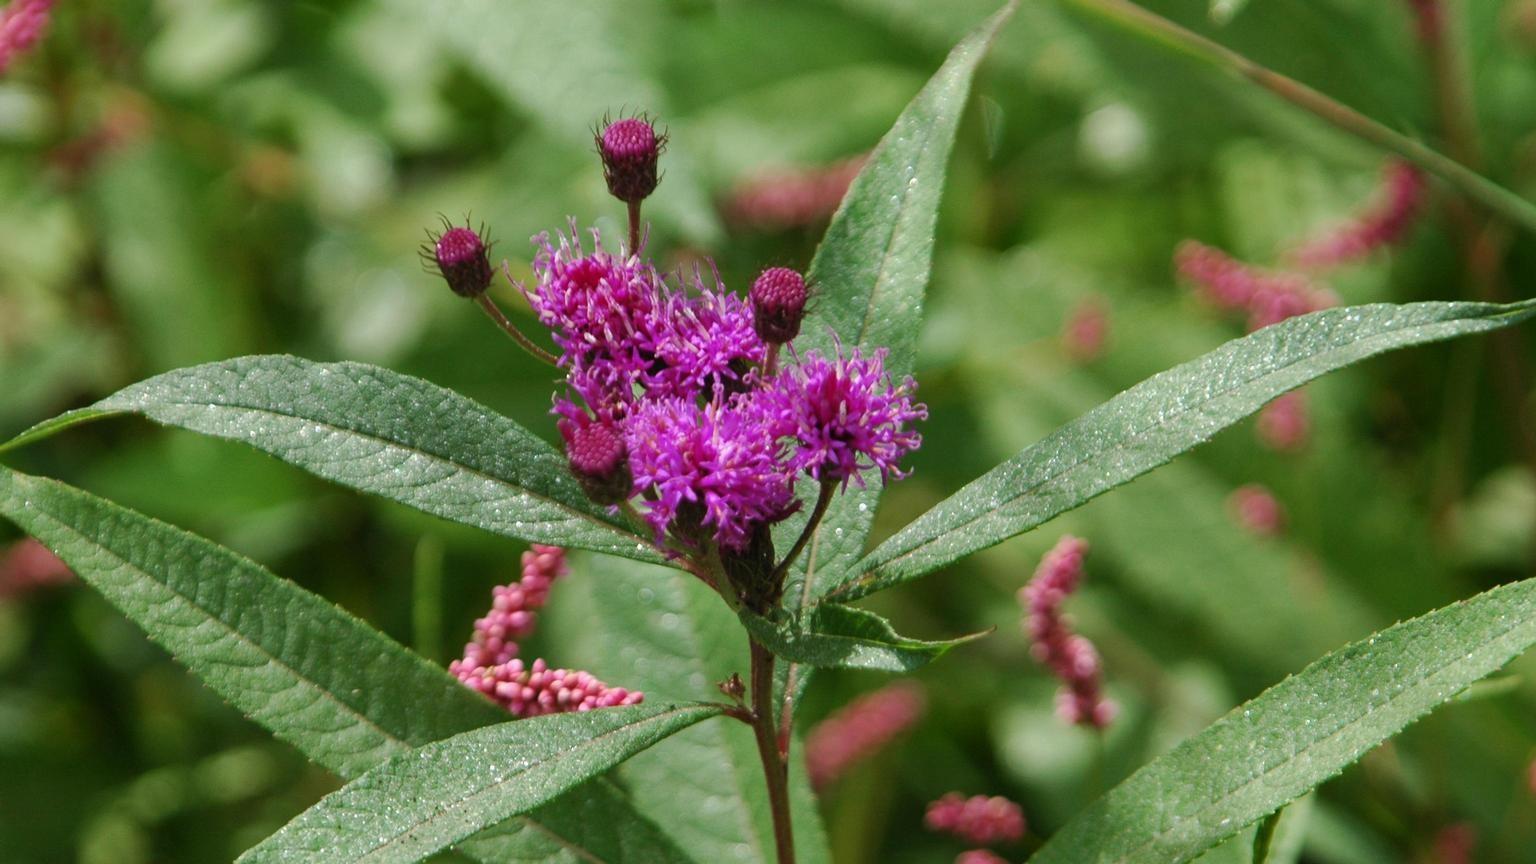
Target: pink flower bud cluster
[(1285, 423), (1455, 844), (980, 856), (21, 24), (1383, 223), (1086, 329), (27, 565), (861, 729), (490, 666), (1256, 509), (1072, 657), (979, 819), (794, 198), (1267, 296)]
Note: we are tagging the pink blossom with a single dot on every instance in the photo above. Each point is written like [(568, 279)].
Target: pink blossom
[(1455, 844), (1267, 296), (1256, 509), (21, 24), (1285, 423), (1071, 657), (792, 198), (27, 565), (1086, 329), (979, 819), (513, 610), (1383, 223), (861, 729), (980, 856)]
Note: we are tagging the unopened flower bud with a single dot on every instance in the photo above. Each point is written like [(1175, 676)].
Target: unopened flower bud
[(630, 148), (598, 458), (463, 257), (778, 304)]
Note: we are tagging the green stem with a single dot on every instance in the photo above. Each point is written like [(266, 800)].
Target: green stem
[(823, 498), (494, 311), (1159, 29), (634, 227), (775, 759)]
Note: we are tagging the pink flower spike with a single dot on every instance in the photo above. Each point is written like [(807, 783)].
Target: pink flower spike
[(1285, 423), (792, 198), (21, 25), (1071, 657), (1086, 329), (513, 607), (1384, 223), (1267, 296), (27, 565), (1255, 508), (980, 856), (860, 729), (1455, 844), (979, 819)]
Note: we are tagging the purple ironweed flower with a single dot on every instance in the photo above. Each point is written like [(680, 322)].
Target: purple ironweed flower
[(718, 465), (792, 198), (28, 565), (861, 729), (1267, 296), (513, 609), (980, 856), (630, 148), (1086, 329), (21, 24), (596, 453), (979, 819), (463, 257), (1385, 222), (845, 416), (1072, 657), (778, 304), (704, 338), (490, 663), (1285, 423), (1256, 509)]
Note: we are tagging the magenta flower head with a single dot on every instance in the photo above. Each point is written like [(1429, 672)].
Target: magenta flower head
[(596, 452), (846, 416), (462, 256), (630, 148), (702, 340), (979, 819), (778, 304), (717, 466)]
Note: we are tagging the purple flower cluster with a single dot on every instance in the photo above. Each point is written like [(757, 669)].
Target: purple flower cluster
[(490, 663), (1070, 656), (979, 819)]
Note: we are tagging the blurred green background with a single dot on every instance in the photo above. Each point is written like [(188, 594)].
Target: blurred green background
[(191, 180)]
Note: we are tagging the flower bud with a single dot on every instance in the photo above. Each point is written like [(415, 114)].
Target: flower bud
[(463, 258), (630, 148), (778, 304), (598, 458)]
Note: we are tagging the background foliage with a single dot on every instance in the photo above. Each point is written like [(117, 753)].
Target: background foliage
[(183, 182)]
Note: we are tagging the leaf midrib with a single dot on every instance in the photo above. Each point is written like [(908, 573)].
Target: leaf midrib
[(1123, 442), (1411, 687), (486, 790)]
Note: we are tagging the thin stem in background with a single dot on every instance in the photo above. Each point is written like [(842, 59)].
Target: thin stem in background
[(494, 311), (1159, 29), (775, 758), (427, 599)]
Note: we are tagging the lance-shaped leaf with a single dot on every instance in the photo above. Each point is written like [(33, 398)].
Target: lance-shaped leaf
[(1297, 734), (833, 636), (344, 694), (426, 800), (1155, 421), (381, 432)]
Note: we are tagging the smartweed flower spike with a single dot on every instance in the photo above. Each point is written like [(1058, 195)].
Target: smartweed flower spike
[(845, 416), (1070, 656), (980, 856), (463, 257), (778, 304), (1384, 223), (1229, 284), (21, 24), (979, 819), (793, 198), (1285, 424), (630, 148), (27, 565), (513, 610), (861, 729), (1256, 509), (597, 454)]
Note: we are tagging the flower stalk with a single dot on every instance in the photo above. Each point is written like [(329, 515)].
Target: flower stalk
[(775, 758)]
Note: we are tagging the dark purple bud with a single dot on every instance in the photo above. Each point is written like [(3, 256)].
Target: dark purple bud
[(630, 148), (463, 257), (598, 458), (778, 304)]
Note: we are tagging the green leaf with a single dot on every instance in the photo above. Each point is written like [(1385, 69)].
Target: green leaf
[(1155, 421), (1297, 734), (424, 801), (381, 432), (667, 634), (344, 694), (833, 636)]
